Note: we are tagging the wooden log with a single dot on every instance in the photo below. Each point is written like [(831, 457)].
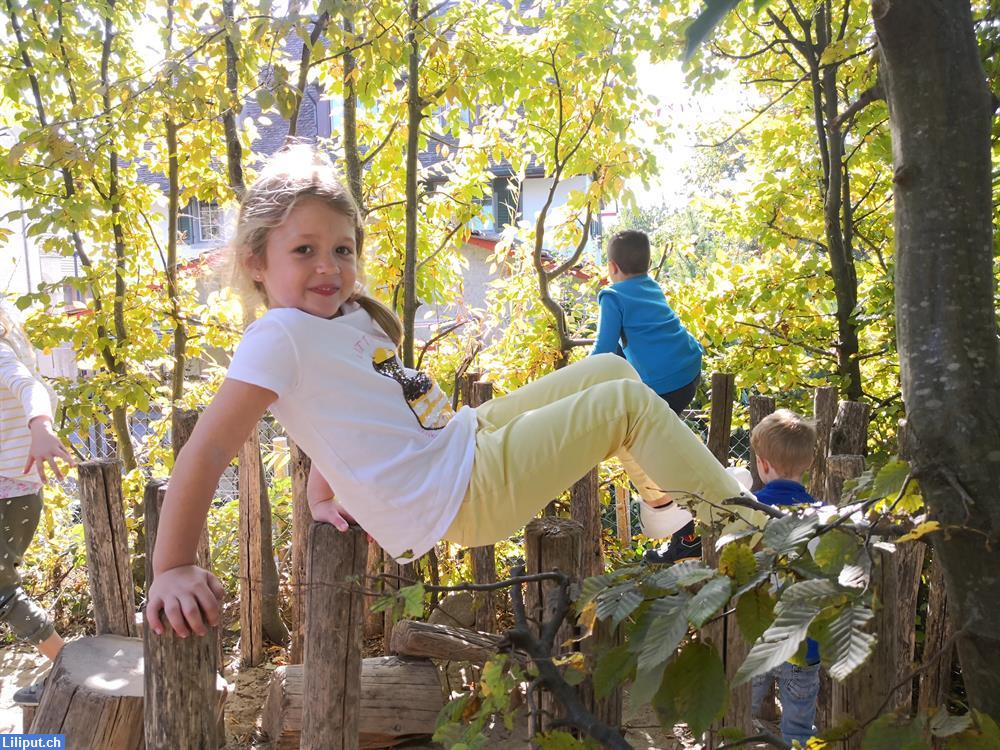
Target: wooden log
[(400, 701), (720, 425), (824, 413), (424, 639), (935, 682), (334, 624), (623, 517), (760, 407), (550, 544), (94, 694), (896, 581), (182, 424), (108, 567), (484, 560), (251, 554), (585, 507), (301, 519), (839, 469), (850, 429)]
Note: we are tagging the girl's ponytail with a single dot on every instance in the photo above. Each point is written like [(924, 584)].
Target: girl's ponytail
[(382, 314)]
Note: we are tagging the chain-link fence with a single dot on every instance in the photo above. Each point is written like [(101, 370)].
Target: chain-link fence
[(98, 442)]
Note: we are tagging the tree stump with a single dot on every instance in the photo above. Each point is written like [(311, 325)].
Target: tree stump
[(334, 624), (400, 701), (108, 567), (94, 694)]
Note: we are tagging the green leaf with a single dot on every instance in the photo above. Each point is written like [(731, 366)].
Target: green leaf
[(843, 644), (818, 591), (592, 587), (892, 733), (779, 642), (618, 602), (557, 740), (737, 562), (702, 27), (944, 724), (755, 613), (836, 549), (984, 735), (889, 479), (694, 689), (785, 534), (709, 600), (612, 668), (667, 627), (413, 600), (685, 573)]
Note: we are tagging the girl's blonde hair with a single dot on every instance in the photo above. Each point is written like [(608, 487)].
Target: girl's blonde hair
[(293, 173), (12, 333)]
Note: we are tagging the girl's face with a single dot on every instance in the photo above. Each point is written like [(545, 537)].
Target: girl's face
[(310, 260)]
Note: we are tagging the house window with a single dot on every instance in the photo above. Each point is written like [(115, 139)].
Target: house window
[(199, 221), (485, 218)]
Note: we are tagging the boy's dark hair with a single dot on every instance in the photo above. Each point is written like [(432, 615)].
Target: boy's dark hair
[(630, 251)]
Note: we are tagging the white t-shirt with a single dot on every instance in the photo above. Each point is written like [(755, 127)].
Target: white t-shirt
[(384, 437)]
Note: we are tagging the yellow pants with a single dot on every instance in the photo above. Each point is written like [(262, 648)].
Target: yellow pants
[(535, 442)]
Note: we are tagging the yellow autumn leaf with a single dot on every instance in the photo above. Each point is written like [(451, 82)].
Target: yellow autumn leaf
[(927, 527)]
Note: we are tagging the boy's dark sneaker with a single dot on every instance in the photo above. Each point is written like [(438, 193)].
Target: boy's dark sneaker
[(30, 695), (683, 545)]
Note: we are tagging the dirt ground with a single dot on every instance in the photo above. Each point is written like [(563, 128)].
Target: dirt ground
[(20, 666)]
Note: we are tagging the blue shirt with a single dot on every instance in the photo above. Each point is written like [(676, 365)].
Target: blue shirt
[(635, 313), (787, 492)]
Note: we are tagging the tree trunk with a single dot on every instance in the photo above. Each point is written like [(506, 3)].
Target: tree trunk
[(413, 108), (350, 137), (940, 113)]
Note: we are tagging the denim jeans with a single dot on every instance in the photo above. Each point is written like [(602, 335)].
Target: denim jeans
[(798, 688)]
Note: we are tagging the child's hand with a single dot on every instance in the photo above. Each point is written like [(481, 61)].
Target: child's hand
[(329, 511), (189, 597), (45, 446)]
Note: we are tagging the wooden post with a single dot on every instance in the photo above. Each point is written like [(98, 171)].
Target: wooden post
[(466, 385), (182, 424), (301, 520), (484, 562), (935, 682), (896, 580), (251, 554), (108, 566), (374, 621), (623, 515), (724, 634), (550, 544), (824, 412), (850, 429), (838, 470), (585, 507), (760, 407), (334, 625), (183, 707), (720, 425), (396, 577)]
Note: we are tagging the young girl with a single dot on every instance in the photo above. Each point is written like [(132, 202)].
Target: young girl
[(382, 438), (27, 443)]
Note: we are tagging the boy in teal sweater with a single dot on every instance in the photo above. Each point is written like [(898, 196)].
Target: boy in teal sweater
[(637, 323)]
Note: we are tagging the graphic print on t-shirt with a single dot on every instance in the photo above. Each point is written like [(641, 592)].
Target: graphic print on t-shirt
[(426, 400)]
